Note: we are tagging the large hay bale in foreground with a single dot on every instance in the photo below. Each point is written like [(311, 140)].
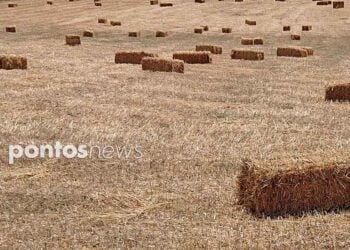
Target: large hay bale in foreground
[(340, 92), (162, 65), (211, 48), (242, 54), (73, 40), (13, 62), (293, 51), (278, 191), (131, 57), (193, 57)]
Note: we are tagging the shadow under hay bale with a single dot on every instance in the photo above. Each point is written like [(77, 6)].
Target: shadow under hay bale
[(242, 54), (211, 48), (73, 40), (13, 62), (293, 51), (340, 92), (193, 57), (268, 191), (162, 65), (131, 57)]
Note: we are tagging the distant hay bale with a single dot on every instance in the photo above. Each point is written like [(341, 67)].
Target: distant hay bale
[(199, 1), (292, 52), (166, 5), (226, 30), (134, 34), (293, 190), (198, 31), (258, 41), (88, 33), (101, 20), (322, 3), (242, 54), (98, 4), (211, 48), (237, 1), (249, 22), (161, 34), (115, 23), (286, 28), (153, 2), (340, 92), (295, 37), (247, 41), (338, 4), (49, 2), (205, 28), (12, 5), (198, 57), (162, 65), (131, 57), (13, 62), (306, 28), (73, 40), (11, 29)]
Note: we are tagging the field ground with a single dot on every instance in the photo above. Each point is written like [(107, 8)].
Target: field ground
[(194, 128)]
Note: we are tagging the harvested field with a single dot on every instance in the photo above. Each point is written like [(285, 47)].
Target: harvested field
[(193, 128)]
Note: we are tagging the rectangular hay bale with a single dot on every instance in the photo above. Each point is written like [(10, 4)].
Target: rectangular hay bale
[(269, 191), (73, 40), (13, 62), (198, 57), (292, 52), (249, 22), (226, 30), (340, 92), (242, 54), (338, 4), (11, 29), (162, 65), (211, 48), (132, 57)]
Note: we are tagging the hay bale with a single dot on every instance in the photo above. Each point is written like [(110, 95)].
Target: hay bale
[(11, 29), (134, 34), (198, 31), (88, 33), (340, 92), (13, 62), (115, 23), (101, 20), (309, 50), (98, 4), (49, 2), (205, 28), (199, 1), (238, 1), (162, 65), (198, 57), (153, 2), (249, 22), (286, 28), (292, 52), (161, 34), (322, 3), (166, 5), (73, 40), (226, 30), (293, 190), (306, 28), (295, 37), (242, 54), (12, 5), (133, 57), (211, 48), (338, 4), (258, 41)]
